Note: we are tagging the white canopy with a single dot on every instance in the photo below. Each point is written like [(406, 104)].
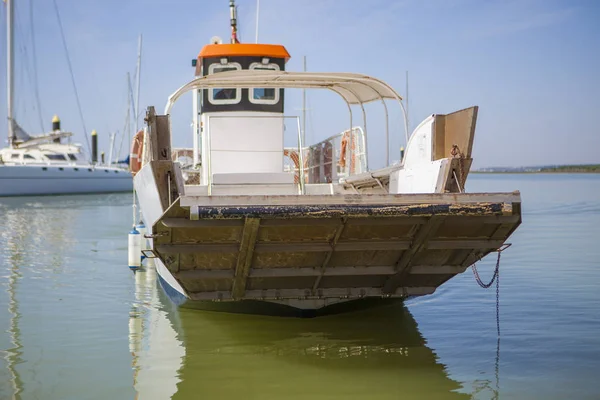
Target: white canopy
[(353, 88)]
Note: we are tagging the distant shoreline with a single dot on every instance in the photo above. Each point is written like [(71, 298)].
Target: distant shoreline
[(559, 169)]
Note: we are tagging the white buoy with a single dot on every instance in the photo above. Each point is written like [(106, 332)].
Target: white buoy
[(135, 250)]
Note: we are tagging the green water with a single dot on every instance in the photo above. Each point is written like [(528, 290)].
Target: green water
[(75, 323)]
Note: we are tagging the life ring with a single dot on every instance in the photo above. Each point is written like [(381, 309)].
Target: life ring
[(293, 155), (346, 137), (137, 148)]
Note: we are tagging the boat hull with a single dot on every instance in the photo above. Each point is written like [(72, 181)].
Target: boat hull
[(25, 180), (314, 254), (257, 307)]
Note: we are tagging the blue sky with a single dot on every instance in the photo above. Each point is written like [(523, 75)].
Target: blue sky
[(532, 66)]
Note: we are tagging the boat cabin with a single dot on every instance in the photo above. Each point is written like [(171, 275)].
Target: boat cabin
[(246, 124), (42, 154)]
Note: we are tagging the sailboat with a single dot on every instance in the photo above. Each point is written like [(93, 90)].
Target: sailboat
[(49, 163)]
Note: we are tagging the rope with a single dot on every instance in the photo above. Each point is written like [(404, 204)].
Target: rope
[(134, 208), (62, 34)]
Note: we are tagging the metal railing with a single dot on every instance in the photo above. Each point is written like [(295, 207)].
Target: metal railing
[(338, 156)]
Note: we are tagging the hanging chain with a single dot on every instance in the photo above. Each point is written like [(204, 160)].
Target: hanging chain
[(495, 278)]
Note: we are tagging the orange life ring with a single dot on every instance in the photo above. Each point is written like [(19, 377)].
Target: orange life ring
[(137, 148), (293, 155), (346, 137)]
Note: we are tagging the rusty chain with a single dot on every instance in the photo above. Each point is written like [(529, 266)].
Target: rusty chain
[(495, 278)]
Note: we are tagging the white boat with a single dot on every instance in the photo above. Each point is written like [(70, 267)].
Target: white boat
[(253, 225), (48, 163)]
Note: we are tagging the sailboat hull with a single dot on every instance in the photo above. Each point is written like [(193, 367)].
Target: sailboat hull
[(24, 180)]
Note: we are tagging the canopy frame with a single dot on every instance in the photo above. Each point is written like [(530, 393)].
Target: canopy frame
[(346, 85)]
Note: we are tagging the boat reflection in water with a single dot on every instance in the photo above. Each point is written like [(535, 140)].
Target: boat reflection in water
[(375, 353)]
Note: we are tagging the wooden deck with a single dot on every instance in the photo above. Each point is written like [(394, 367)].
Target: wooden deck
[(229, 248)]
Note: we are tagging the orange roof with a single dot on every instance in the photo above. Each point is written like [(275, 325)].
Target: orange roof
[(244, 49)]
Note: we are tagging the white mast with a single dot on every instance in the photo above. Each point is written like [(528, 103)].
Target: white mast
[(10, 14), (407, 120), (137, 86)]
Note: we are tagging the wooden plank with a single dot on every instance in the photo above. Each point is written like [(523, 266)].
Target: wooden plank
[(463, 244), (301, 222), (437, 269), (202, 223), (333, 244), (163, 137), (282, 294), (205, 274), (377, 221), (287, 272), (152, 133), (245, 255), (197, 248), (403, 265), (355, 199), (286, 247)]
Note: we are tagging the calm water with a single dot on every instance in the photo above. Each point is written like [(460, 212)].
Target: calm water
[(77, 324)]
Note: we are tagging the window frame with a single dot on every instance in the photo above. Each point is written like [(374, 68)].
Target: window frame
[(55, 157), (270, 67), (211, 93)]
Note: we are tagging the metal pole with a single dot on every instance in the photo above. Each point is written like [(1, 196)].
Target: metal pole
[(257, 10), (407, 114), (304, 109), (10, 66), (137, 88)]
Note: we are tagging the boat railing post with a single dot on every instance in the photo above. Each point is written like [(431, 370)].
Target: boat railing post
[(208, 156), (300, 157)]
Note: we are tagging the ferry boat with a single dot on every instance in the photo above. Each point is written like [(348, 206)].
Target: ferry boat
[(49, 163), (250, 224)]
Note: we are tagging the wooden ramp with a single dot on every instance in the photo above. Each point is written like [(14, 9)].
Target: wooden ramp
[(227, 248)]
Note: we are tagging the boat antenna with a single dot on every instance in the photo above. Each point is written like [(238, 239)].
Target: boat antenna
[(233, 21), (257, 10)]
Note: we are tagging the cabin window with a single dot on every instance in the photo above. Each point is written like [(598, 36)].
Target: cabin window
[(56, 157), (14, 156), (224, 95), (72, 157), (264, 95), (28, 157)]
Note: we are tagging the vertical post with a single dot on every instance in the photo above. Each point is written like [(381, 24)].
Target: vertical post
[(407, 119), (195, 128), (10, 15), (257, 11), (94, 147), (300, 159), (304, 109), (112, 145), (137, 86)]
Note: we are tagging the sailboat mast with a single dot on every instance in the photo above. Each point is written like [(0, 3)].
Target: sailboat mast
[(137, 86), (10, 67)]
